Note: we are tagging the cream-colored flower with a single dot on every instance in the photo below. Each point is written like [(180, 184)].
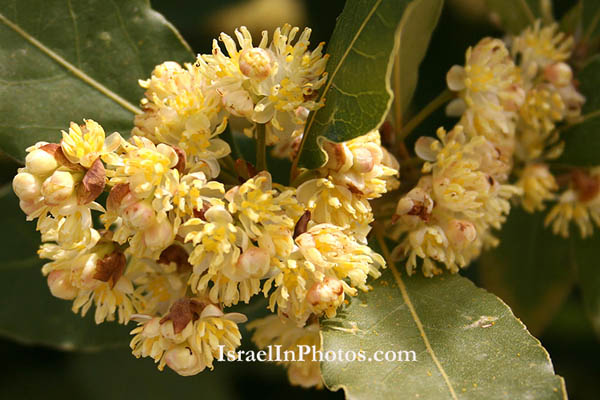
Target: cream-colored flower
[(83, 144), (335, 204), (267, 84), (579, 204), (189, 338), (95, 276), (267, 214), (538, 185), (362, 165), (324, 251), (537, 47), (181, 110)]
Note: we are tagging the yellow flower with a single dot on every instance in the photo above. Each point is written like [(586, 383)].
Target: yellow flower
[(311, 280), (538, 47), (489, 78), (362, 165), (335, 204), (267, 84), (538, 185), (267, 215), (580, 204), (273, 331), (84, 144), (142, 164), (189, 337), (94, 276), (180, 110)]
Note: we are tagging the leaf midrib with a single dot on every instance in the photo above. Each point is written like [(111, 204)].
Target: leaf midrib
[(413, 312), (70, 67)]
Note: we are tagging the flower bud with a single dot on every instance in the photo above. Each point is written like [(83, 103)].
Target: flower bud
[(326, 296), (254, 262), (461, 232), (40, 162), (140, 215), (58, 187), (363, 160), (559, 74), (159, 235), (255, 63), (30, 207), (184, 361), (238, 103), (60, 285), (26, 186)]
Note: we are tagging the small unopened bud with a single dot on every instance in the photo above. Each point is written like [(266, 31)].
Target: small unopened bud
[(117, 196), (254, 262), (40, 162), (60, 285), (184, 361), (26, 186), (30, 207), (58, 188), (326, 296), (238, 103), (159, 235), (255, 63), (461, 232), (363, 160), (559, 74), (140, 215)]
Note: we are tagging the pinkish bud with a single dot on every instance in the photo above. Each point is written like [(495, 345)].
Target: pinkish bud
[(58, 188), (30, 207), (461, 232), (363, 160), (254, 262), (159, 235), (140, 215), (26, 186), (559, 74), (60, 285)]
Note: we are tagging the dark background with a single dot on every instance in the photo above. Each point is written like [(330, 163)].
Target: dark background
[(36, 372)]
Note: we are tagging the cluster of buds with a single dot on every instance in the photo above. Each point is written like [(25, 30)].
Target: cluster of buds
[(186, 232)]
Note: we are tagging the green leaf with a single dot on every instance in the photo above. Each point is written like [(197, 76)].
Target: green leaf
[(516, 15), (467, 342), (358, 93), (532, 269), (65, 60), (585, 254), (590, 19), (582, 139), (421, 18), (28, 312)]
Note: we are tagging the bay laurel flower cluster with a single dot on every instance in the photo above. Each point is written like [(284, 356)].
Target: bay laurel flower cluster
[(181, 234), (511, 98)]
